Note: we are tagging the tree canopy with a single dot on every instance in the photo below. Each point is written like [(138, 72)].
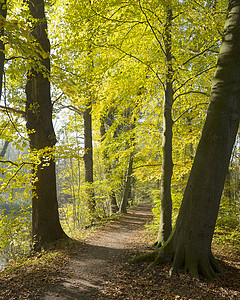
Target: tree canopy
[(136, 76)]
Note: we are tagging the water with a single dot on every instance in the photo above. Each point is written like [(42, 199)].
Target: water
[(2, 262)]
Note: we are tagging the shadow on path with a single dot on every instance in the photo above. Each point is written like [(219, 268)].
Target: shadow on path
[(98, 258)]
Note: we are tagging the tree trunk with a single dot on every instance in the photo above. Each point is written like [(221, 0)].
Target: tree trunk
[(46, 227), (107, 171), (124, 202), (3, 14), (165, 224), (189, 245), (4, 149), (88, 158)]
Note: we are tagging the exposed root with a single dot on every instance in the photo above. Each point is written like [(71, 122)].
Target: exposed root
[(161, 255), (149, 257), (204, 264), (161, 258)]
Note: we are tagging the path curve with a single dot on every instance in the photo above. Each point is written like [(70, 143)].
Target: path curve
[(96, 261)]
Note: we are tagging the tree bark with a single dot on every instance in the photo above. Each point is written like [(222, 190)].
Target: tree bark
[(124, 202), (4, 149), (3, 14), (112, 195), (189, 245), (165, 223), (88, 158), (46, 227)]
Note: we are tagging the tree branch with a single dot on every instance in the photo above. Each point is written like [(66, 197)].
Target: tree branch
[(186, 111), (151, 27), (191, 92), (196, 75), (141, 61), (149, 165), (72, 108), (197, 54), (13, 110)]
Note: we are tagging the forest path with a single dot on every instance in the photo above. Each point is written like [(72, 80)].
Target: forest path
[(97, 260)]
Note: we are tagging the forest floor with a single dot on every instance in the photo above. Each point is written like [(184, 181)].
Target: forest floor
[(98, 269)]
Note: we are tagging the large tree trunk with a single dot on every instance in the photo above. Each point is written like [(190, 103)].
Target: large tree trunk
[(107, 171), (46, 227), (189, 245), (88, 158), (165, 224)]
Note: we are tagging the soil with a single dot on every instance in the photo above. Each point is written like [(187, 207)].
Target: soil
[(99, 258), (99, 269)]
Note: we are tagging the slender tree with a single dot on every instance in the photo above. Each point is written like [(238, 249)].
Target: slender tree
[(107, 171), (46, 227), (3, 14), (124, 202), (4, 149), (189, 245), (165, 223), (88, 157)]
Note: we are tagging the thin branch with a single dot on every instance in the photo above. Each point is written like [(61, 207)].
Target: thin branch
[(138, 59), (15, 173), (15, 57), (177, 15), (130, 29), (196, 55), (151, 27), (191, 92), (20, 112), (14, 163), (186, 111), (4, 128), (58, 98), (155, 15), (196, 75), (6, 108), (149, 165), (74, 74), (115, 62), (72, 108), (116, 20), (9, 162)]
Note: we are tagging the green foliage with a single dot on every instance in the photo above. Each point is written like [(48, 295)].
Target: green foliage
[(110, 55), (15, 233)]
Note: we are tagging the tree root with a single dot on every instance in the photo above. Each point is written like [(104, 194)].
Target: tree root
[(149, 257), (205, 265), (195, 263)]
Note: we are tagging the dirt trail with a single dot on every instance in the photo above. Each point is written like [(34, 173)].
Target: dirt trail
[(98, 258)]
